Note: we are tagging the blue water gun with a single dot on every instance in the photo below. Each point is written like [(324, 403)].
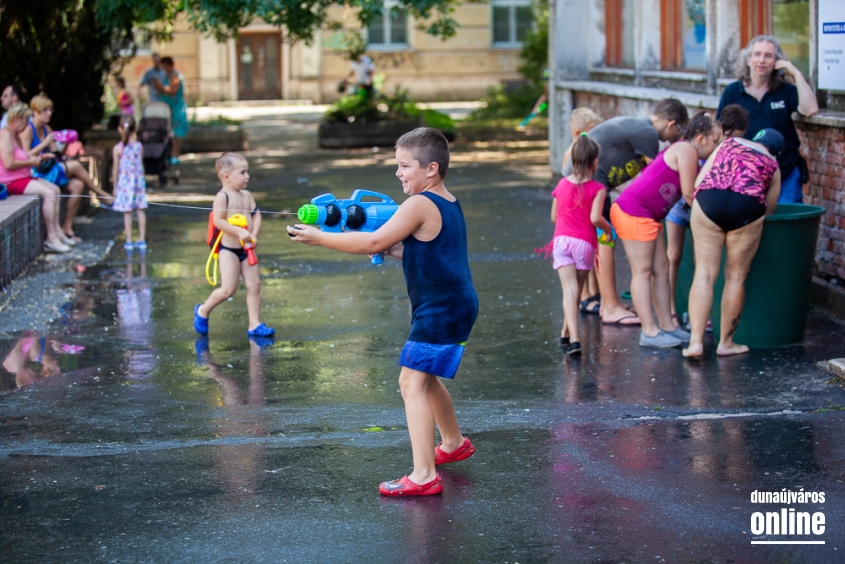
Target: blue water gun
[(354, 214), (531, 116)]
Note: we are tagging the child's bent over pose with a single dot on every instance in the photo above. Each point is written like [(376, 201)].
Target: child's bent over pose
[(428, 234), (233, 198)]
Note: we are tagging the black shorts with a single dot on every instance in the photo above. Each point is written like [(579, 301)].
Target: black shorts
[(239, 252), (729, 210)]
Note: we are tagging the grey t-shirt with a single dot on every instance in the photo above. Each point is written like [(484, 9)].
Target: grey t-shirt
[(147, 79), (624, 141)]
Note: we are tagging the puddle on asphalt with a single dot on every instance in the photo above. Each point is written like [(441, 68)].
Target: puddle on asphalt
[(120, 415)]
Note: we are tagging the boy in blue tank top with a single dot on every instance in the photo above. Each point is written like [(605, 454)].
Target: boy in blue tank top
[(428, 234)]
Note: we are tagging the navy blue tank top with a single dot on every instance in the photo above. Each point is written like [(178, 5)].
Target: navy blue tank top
[(444, 304)]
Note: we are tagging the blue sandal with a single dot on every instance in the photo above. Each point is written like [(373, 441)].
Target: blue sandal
[(200, 322), (261, 331)]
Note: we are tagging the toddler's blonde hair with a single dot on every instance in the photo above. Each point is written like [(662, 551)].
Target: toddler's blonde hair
[(584, 119), (227, 161)]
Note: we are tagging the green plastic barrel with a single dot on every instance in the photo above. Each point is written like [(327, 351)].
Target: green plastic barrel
[(777, 290)]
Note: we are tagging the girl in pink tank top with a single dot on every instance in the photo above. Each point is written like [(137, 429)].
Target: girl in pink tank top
[(636, 215), (576, 211)]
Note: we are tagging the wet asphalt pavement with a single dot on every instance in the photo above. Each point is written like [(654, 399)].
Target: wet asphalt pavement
[(122, 441)]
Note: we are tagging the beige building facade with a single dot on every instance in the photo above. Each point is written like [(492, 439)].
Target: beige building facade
[(261, 65)]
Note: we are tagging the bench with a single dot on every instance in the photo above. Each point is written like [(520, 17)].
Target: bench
[(21, 235)]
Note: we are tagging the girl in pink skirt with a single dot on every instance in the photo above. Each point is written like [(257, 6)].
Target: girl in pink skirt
[(576, 211)]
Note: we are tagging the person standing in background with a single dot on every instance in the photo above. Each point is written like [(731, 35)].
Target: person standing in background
[(155, 73), (172, 91), (763, 89)]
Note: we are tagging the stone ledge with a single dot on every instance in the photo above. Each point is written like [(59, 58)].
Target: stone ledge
[(363, 134), (690, 99), (828, 118), (837, 368)]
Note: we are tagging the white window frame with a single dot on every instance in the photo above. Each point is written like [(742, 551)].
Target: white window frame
[(389, 44), (512, 42)]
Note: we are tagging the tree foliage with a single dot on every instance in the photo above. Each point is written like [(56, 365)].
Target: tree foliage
[(535, 48), (67, 48)]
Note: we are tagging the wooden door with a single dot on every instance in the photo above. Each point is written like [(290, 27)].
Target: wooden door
[(259, 66)]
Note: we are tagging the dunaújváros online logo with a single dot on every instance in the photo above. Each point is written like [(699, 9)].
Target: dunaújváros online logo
[(798, 520)]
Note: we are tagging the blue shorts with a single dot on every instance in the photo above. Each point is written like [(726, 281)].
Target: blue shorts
[(679, 214), (791, 191), (438, 360)]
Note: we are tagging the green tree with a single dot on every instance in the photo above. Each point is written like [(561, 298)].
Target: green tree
[(535, 48), (66, 48)]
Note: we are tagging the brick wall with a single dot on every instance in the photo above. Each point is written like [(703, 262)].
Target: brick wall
[(824, 149)]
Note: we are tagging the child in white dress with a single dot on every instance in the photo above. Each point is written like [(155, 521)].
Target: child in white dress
[(130, 191)]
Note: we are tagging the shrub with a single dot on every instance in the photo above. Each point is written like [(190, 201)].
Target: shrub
[(399, 106), (500, 103)]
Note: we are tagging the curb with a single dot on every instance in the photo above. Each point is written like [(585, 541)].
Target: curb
[(837, 368)]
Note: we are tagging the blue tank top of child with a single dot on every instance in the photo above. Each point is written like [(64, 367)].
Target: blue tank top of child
[(444, 304)]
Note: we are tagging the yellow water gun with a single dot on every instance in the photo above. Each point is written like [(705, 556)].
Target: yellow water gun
[(214, 237)]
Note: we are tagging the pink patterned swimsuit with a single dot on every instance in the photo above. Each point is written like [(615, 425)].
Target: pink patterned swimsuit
[(733, 194), (741, 169)]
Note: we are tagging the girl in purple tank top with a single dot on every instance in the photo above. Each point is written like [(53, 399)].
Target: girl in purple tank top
[(637, 214)]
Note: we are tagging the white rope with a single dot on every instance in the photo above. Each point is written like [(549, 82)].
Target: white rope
[(162, 204)]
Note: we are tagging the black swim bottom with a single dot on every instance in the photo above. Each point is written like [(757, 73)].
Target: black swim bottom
[(729, 210), (239, 252)]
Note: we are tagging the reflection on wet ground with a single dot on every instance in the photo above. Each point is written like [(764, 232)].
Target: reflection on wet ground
[(127, 438)]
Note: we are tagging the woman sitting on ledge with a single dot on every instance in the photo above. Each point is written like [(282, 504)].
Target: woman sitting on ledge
[(38, 138), (16, 173)]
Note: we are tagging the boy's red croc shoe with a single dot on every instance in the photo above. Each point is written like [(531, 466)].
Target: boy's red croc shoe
[(403, 487), (461, 453)]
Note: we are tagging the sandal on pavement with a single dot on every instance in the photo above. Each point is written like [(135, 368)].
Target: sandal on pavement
[(564, 342), (574, 349), (461, 453), (621, 321), (591, 305), (57, 248), (200, 322), (261, 331), (404, 487)]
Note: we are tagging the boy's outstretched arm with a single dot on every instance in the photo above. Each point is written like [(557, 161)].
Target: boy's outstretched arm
[(412, 215)]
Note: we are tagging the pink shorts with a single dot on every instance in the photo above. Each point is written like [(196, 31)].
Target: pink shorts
[(569, 250)]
